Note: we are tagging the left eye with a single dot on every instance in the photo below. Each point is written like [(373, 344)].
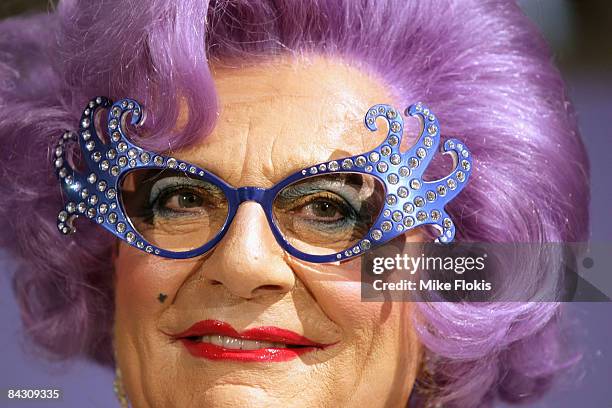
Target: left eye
[(182, 200), (324, 209)]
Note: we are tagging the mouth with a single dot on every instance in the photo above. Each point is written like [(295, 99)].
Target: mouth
[(217, 340)]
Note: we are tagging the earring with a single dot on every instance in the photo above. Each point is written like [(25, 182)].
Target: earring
[(119, 390)]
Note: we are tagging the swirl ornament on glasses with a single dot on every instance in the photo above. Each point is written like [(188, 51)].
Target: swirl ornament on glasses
[(327, 212)]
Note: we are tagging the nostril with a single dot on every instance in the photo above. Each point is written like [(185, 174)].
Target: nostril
[(270, 288)]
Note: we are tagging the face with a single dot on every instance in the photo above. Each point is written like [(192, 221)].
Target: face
[(329, 348)]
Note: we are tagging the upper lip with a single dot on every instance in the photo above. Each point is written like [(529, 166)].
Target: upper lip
[(263, 333)]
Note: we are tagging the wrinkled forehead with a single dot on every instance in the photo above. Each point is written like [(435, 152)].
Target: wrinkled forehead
[(280, 116)]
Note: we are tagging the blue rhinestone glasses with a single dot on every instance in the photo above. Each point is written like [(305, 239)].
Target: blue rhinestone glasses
[(328, 212)]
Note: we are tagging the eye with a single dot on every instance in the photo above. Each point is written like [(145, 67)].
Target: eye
[(181, 199), (321, 207)]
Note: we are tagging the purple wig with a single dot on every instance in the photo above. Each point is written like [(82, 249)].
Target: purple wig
[(481, 65)]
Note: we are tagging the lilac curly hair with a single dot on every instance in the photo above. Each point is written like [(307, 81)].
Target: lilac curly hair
[(481, 65)]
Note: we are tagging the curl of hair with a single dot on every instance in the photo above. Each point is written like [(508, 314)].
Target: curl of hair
[(481, 65)]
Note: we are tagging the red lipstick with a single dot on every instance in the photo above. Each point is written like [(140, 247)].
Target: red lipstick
[(277, 344)]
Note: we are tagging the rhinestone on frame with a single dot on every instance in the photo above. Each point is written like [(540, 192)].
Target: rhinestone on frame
[(59, 162), (122, 147), (360, 161), (435, 215), (112, 218), (428, 141), (62, 216), (122, 161), (101, 185), (100, 220), (132, 153), (322, 167), (382, 167), (313, 170), (145, 157), (395, 159), (402, 192), (90, 145), (376, 234), (432, 129), (113, 124), (116, 136), (84, 193), (447, 223), (385, 150), (404, 171), (408, 208), (397, 216), (92, 178), (71, 207), (91, 212), (63, 172), (393, 140), (149, 249), (103, 208), (465, 165), (395, 127), (413, 162), (387, 213), (368, 168), (451, 183), (386, 226), (391, 114), (192, 170), (421, 216), (183, 166), (120, 227), (85, 122), (111, 193), (460, 176), (415, 184), (111, 154), (81, 207), (408, 222), (374, 157), (333, 165), (421, 152), (347, 164), (431, 196), (391, 199), (96, 156), (93, 200), (140, 244), (104, 165), (365, 245), (86, 135), (419, 201), (171, 162), (114, 171), (130, 237), (393, 178), (441, 190)]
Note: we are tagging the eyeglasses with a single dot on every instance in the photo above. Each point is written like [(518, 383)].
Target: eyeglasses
[(327, 212)]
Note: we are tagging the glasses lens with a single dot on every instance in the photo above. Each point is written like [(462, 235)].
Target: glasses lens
[(172, 210), (328, 213)]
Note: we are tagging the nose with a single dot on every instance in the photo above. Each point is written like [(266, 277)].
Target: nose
[(248, 261)]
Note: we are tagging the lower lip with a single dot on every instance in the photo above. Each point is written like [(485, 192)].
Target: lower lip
[(214, 352)]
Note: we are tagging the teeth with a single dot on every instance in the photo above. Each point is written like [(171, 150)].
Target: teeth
[(239, 344)]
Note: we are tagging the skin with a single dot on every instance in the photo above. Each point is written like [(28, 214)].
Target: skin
[(275, 118)]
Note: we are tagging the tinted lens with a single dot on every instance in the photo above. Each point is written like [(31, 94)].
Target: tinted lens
[(329, 213), (172, 210)]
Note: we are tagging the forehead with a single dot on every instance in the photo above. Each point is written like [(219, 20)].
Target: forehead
[(278, 117)]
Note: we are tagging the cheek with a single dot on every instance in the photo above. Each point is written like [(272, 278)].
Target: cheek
[(144, 284)]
